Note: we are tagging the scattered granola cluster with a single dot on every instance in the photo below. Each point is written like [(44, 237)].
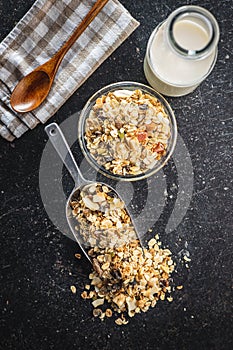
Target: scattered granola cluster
[(102, 219), (128, 279), (127, 132)]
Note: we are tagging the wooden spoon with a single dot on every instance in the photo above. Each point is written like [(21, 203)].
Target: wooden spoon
[(32, 90)]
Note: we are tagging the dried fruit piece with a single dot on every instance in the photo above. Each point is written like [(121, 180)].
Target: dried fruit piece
[(121, 135), (141, 135), (158, 148)]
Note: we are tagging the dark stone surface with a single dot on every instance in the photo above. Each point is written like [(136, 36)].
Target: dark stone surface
[(37, 264)]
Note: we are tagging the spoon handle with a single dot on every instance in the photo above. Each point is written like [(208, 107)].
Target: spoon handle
[(60, 144), (97, 7)]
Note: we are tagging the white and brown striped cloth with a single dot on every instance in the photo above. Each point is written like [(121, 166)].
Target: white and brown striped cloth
[(38, 35)]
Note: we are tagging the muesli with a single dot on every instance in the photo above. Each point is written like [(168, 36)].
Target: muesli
[(128, 280), (127, 132), (102, 219)]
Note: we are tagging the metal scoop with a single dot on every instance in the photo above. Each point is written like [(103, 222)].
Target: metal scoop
[(60, 144)]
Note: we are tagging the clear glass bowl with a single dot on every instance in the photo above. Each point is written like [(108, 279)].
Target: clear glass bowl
[(127, 85)]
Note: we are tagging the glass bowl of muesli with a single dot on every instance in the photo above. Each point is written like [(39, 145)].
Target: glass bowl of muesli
[(127, 131)]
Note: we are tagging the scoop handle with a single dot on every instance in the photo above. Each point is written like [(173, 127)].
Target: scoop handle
[(60, 144)]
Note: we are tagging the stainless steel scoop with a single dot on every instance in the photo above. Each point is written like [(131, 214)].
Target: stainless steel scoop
[(61, 146)]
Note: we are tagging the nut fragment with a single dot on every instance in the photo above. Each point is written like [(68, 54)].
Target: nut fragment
[(73, 289), (179, 287), (84, 294)]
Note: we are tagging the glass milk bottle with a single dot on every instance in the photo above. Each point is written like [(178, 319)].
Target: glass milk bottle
[(182, 51)]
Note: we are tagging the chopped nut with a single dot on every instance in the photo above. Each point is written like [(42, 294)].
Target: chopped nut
[(162, 296), (179, 287), (165, 268), (84, 294), (105, 266), (152, 242), (78, 256), (73, 289), (92, 294), (105, 189)]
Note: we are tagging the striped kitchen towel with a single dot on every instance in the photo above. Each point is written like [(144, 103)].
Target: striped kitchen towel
[(38, 35)]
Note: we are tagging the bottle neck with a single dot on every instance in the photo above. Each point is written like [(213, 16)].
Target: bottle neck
[(192, 32)]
